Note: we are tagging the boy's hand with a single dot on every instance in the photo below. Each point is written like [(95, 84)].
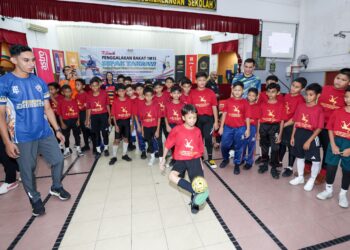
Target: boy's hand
[(292, 142), (139, 130), (168, 128), (87, 124), (78, 123), (116, 128), (306, 145), (258, 136), (12, 150), (60, 136), (156, 134), (109, 120), (335, 150), (247, 133), (143, 134), (162, 165), (216, 125), (221, 131), (278, 139), (346, 153), (63, 126)]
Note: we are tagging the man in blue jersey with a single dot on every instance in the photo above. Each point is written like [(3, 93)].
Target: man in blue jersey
[(25, 113), (247, 77)]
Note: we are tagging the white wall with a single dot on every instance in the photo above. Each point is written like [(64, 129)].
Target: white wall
[(319, 21)]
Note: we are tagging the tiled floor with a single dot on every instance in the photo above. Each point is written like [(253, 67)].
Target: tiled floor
[(133, 206)]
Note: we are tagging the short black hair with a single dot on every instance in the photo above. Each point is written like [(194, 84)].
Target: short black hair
[(120, 76), (271, 78), (65, 67), (17, 49), (175, 88), (95, 79), (157, 83), (301, 80), (238, 83), (170, 78), (109, 72), (188, 108), (201, 74), (128, 78), (66, 86), (130, 86), (254, 90), (345, 71), (347, 89), (139, 84), (120, 86), (54, 84), (273, 86), (80, 80), (148, 90), (250, 60), (148, 81), (315, 87), (186, 80)]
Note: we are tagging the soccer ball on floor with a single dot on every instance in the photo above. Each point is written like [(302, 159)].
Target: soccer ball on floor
[(199, 184)]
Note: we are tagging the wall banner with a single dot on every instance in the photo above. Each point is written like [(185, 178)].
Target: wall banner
[(43, 64), (191, 67), (58, 60), (203, 63), (180, 63)]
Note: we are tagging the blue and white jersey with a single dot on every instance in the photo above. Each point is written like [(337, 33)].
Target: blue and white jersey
[(249, 82), (24, 101)]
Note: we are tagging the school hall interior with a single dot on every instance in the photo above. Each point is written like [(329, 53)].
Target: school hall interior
[(133, 204)]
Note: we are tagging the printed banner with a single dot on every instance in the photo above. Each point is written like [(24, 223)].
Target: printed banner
[(180, 67), (201, 4), (72, 59), (139, 64), (43, 64), (58, 60), (203, 63), (191, 67)]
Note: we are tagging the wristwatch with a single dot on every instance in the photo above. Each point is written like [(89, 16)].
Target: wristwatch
[(58, 130)]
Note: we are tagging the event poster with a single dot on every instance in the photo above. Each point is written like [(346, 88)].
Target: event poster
[(203, 63), (43, 64), (191, 67), (72, 59), (139, 64), (180, 63), (58, 60)]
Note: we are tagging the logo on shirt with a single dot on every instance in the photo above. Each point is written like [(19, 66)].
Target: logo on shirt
[(149, 118), (161, 104), (188, 145), (98, 107), (236, 112), (333, 100), (124, 111), (345, 126), (15, 89), (203, 102), (304, 118), (202, 99), (176, 115), (271, 114), (39, 88)]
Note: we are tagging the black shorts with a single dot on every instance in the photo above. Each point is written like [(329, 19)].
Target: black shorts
[(300, 137), (149, 133), (193, 167), (99, 122), (124, 129), (287, 134)]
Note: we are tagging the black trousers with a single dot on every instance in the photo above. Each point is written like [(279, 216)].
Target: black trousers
[(99, 125), (148, 135), (331, 173), (71, 125), (10, 164), (84, 129), (162, 129), (324, 140), (268, 135), (205, 124)]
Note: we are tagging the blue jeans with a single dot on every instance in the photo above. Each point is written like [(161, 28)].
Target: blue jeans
[(249, 146), (233, 138), (141, 140)]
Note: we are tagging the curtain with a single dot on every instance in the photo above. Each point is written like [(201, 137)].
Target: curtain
[(12, 37), (230, 46), (98, 13)]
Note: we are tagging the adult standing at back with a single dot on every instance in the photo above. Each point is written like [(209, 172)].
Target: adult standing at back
[(247, 77), (212, 83), (69, 79), (27, 96)]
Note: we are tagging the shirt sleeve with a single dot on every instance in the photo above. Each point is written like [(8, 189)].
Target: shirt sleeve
[(114, 109), (248, 110), (321, 119), (200, 142), (170, 141)]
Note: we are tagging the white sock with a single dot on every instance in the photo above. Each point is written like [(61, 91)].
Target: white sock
[(315, 169), (125, 148), (329, 187), (115, 150), (300, 166), (153, 156), (98, 149), (343, 192), (105, 148), (160, 159)]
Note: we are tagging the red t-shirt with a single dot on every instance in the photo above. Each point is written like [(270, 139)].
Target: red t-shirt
[(309, 118), (272, 112), (110, 90), (237, 112), (149, 115), (291, 104), (173, 113), (137, 104), (203, 100), (185, 98), (255, 112), (222, 104), (264, 98), (331, 99), (161, 101), (54, 105), (339, 123), (97, 104), (188, 143), (68, 109), (81, 100), (167, 96), (122, 110)]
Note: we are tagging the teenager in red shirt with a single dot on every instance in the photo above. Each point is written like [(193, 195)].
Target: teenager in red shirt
[(235, 126), (270, 129), (205, 101), (69, 119), (188, 143), (338, 151), (169, 83), (81, 98), (308, 123), (138, 102), (162, 101), (331, 99), (150, 121), (291, 102), (121, 114), (263, 96), (186, 86), (130, 93), (55, 98), (173, 109), (98, 116)]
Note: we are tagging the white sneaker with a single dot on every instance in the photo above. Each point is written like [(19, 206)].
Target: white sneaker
[(326, 194), (151, 161), (231, 153), (343, 201), (79, 152), (66, 153), (7, 187), (309, 184), (297, 181), (212, 164)]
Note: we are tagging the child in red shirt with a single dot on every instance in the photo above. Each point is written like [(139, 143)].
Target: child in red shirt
[(98, 116), (205, 101), (270, 130), (138, 102), (69, 119), (186, 86), (55, 97), (291, 103), (338, 151), (308, 122), (235, 126), (162, 101), (130, 93), (150, 121), (169, 83), (81, 98), (173, 109), (121, 114), (263, 96), (188, 143)]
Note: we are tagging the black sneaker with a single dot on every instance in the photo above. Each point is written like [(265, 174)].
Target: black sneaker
[(131, 147), (224, 163), (263, 168), (143, 155), (247, 166), (106, 153), (126, 158), (258, 160), (156, 154), (112, 161), (60, 193), (85, 148), (275, 173), (236, 170), (38, 208), (287, 172), (149, 150)]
